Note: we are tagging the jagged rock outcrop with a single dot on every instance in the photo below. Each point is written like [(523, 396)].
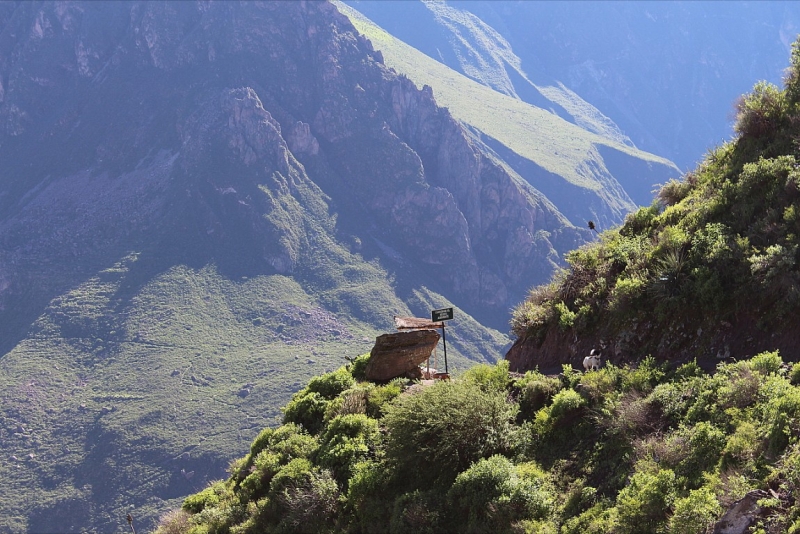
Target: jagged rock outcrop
[(400, 353)]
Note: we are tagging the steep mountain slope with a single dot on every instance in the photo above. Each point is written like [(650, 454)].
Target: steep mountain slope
[(711, 270), (658, 75), (452, 34), (587, 173)]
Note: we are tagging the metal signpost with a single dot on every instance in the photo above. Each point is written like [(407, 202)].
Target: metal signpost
[(442, 315)]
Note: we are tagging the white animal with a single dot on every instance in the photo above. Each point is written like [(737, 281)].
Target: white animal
[(592, 361)]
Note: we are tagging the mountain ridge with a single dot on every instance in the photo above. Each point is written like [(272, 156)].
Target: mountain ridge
[(602, 67), (561, 148)]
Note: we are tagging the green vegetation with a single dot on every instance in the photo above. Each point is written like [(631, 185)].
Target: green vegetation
[(719, 247), (170, 375), (632, 449)]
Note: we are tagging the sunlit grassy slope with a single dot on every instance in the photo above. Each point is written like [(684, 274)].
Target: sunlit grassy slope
[(533, 133)]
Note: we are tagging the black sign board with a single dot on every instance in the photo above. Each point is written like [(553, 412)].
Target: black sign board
[(444, 314)]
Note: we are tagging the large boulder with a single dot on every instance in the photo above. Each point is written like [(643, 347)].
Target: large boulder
[(400, 354)]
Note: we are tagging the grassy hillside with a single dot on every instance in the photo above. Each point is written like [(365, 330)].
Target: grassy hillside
[(139, 383), (534, 133)]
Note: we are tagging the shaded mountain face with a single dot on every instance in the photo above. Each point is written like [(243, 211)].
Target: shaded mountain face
[(556, 142), (659, 75), (228, 125)]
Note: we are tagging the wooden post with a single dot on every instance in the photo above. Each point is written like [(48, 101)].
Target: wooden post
[(444, 340)]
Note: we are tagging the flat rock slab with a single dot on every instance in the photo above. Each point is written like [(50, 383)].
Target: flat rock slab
[(741, 514), (400, 354)]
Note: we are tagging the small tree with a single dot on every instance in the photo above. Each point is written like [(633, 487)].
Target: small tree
[(434, 435)]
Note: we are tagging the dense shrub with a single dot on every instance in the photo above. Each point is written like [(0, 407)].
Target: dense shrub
[(632, 415), (290, 474), (358, 367), (489, 377), (695, 513), (209, 497), (741, 387), (536, 390), (597, 385), (579, 497), (642, 377), (369, 496), (759, 113), (597, 520), (418, 512), (627, 291), (331, 384), (347, 440), (643, 506), (309, 502), (671, 400), (272, 449), (174, 522), (264, 468), (766, 363), (781, 416), (704, 444), (352, 401), (743, 446), (565, 317), (792, 80), (218, 519), (670, 193), (535, 312), (380, 396), (491, 495), (307, 409), (289, 441), (440, 431), (558, 427), (566, 405)]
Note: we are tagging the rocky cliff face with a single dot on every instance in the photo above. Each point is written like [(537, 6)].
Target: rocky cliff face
[(281, 88)]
